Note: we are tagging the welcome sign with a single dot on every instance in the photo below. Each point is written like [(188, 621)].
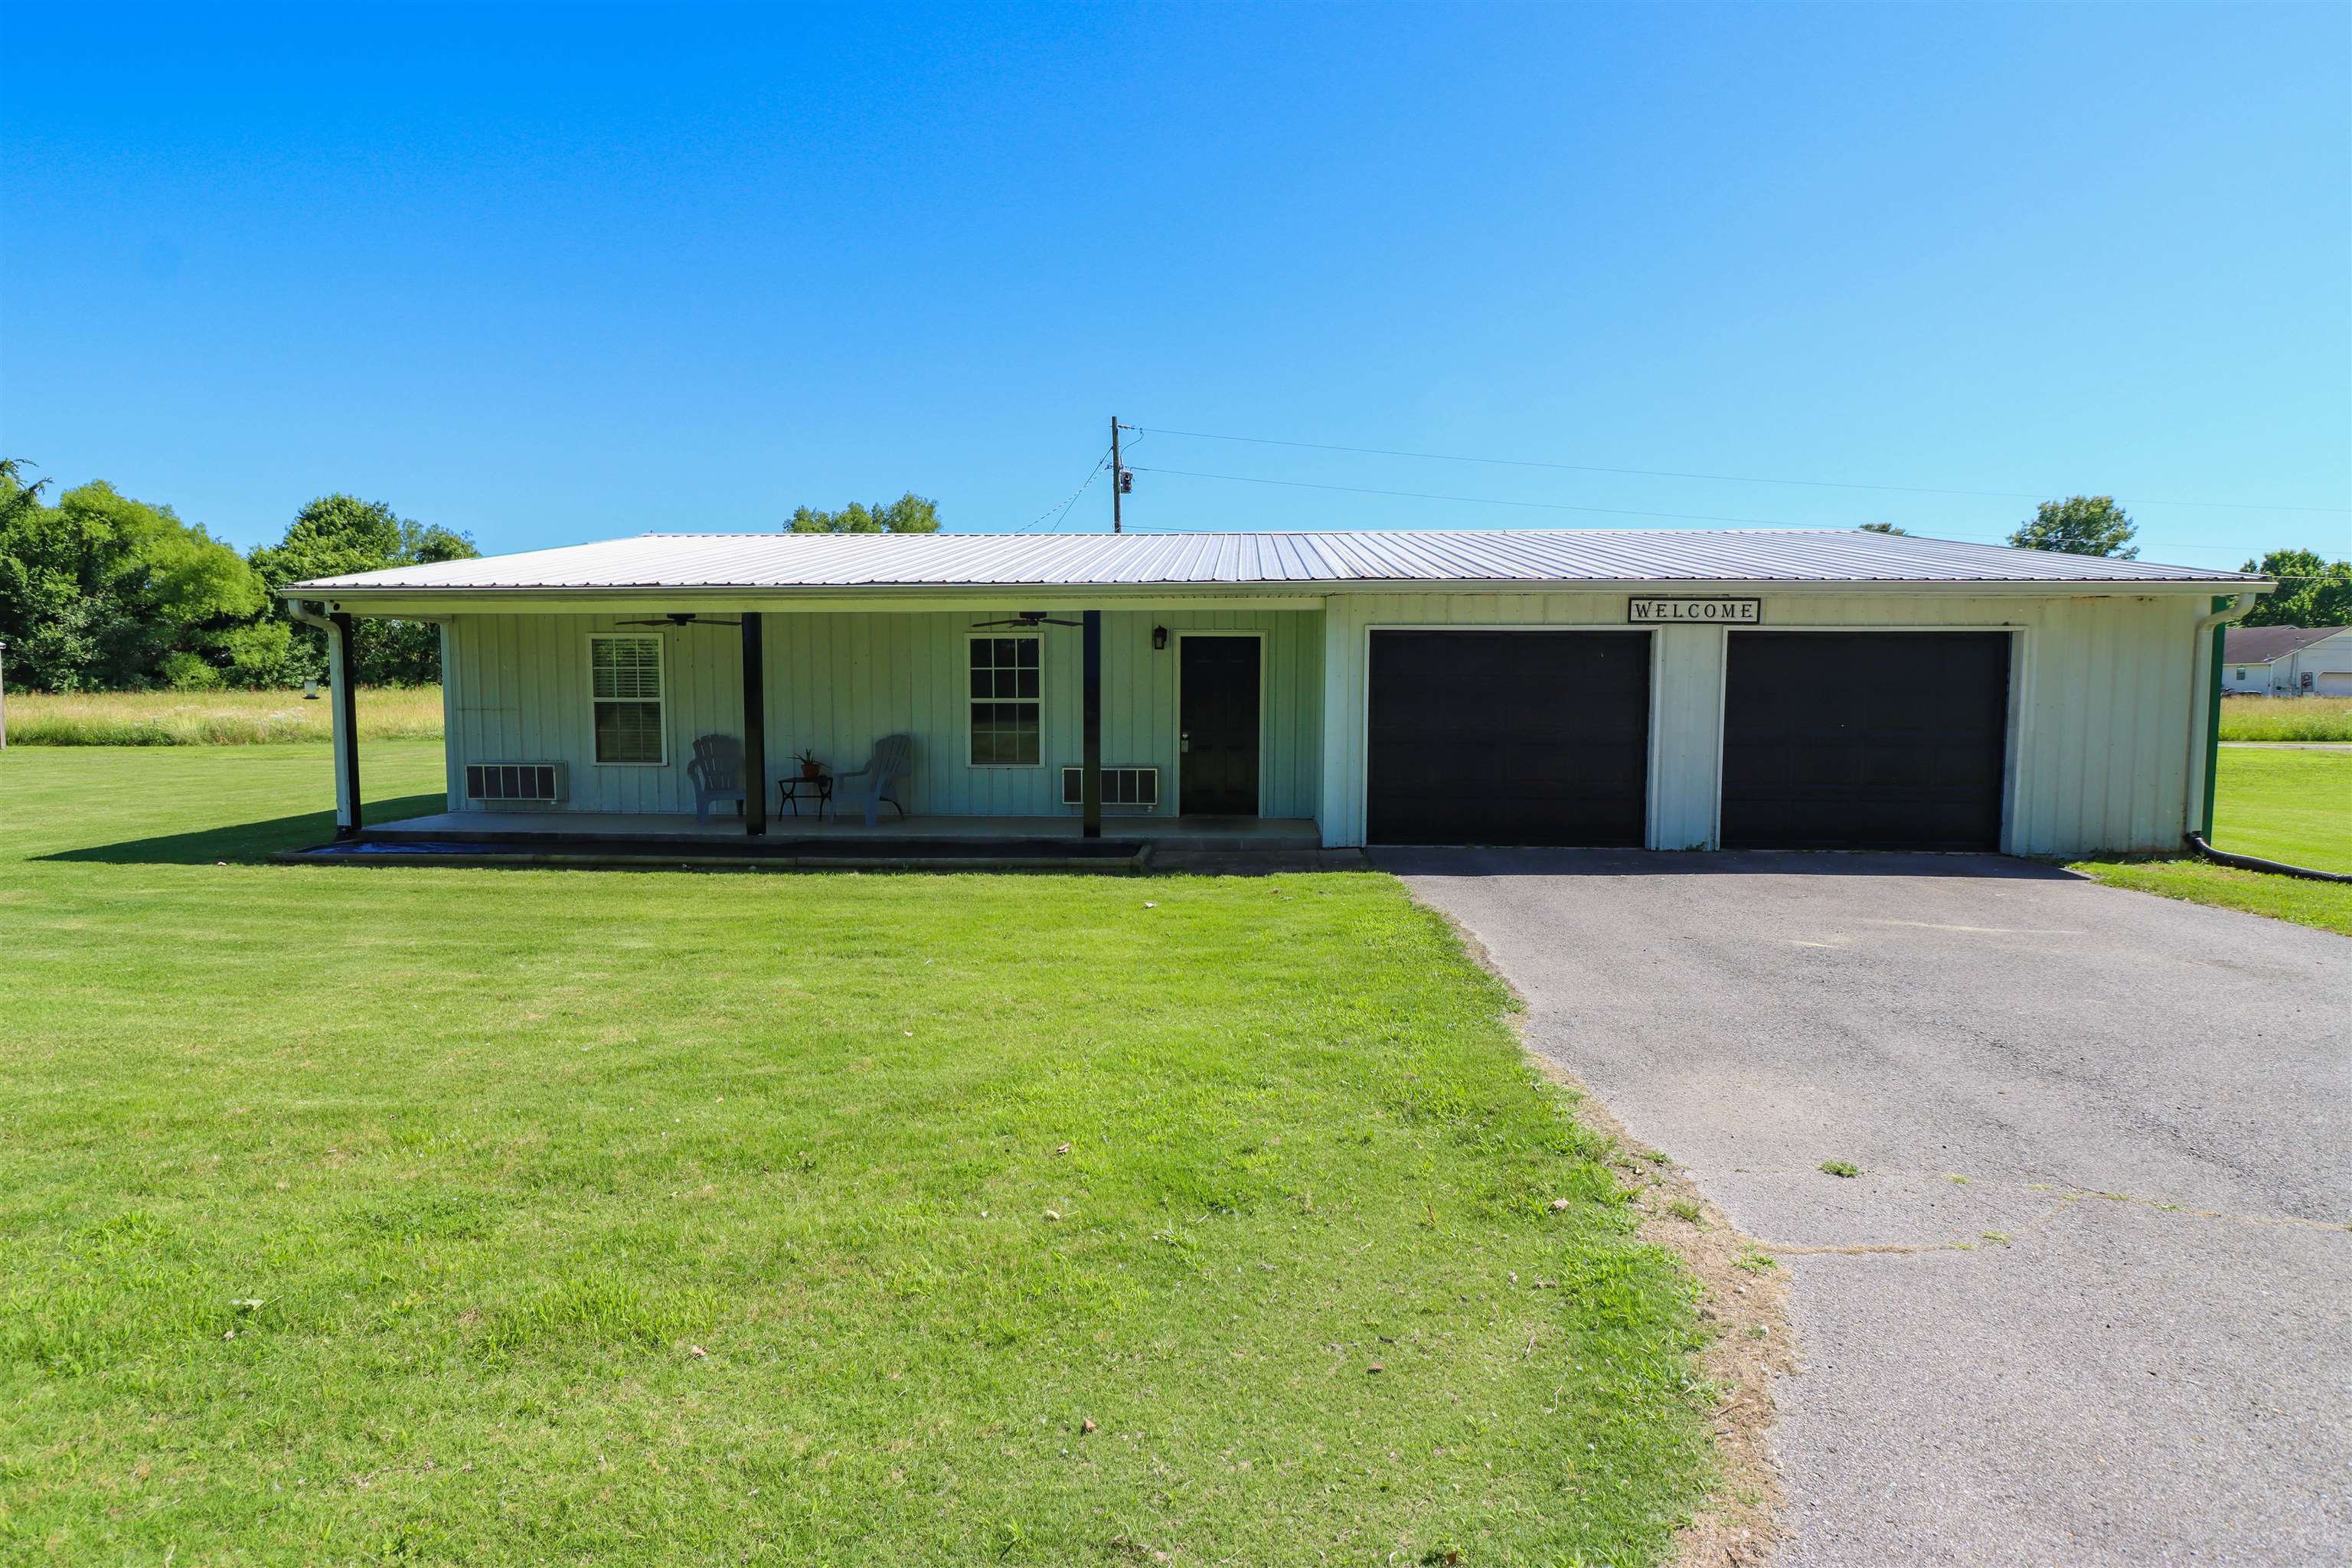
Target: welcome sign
[(1711, 612)]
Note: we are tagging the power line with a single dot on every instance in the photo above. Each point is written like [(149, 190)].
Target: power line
[(1601, 510), (1675, 474), (1059, 512), (1480, 500)]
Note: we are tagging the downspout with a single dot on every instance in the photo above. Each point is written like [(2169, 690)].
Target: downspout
[(2210, 630), (2200, 838), (346, 720)]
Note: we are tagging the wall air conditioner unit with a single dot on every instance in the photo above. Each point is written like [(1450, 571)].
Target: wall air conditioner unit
[(514, 783), (1124, 788)]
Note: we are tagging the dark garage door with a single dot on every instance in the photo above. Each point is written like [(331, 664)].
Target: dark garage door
[(1865, 739), (1508, 737)]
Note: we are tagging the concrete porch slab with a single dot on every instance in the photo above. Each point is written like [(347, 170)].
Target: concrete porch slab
[(651, 841), (1187, 832)]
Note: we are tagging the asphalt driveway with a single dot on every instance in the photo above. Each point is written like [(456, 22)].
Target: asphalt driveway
[(2090, 1301)]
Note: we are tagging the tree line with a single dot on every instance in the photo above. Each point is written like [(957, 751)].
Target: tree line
[(102, 592)]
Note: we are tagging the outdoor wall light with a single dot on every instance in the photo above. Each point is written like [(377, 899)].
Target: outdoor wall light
[(1160, 639)]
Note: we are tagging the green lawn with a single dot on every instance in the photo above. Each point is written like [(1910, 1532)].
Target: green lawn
[(2286, 806), (2279, 805), (439, 1215)]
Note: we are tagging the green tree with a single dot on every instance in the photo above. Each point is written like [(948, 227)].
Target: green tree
[(910, 513), (17, 497), (101, 591), (2312, 591), (336, 535), (2080, 525), (1882, 528)]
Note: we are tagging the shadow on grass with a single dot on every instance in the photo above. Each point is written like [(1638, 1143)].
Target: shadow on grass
[(243, 843)]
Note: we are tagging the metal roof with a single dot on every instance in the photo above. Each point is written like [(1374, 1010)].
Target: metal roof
[(2261, 644), (1332, 559)]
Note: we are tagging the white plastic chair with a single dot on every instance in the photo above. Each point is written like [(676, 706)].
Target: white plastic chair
[(717, 772), (893, 760)]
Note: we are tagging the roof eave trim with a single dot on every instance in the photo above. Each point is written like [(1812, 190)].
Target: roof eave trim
[(1753, 585), (1284, 588)]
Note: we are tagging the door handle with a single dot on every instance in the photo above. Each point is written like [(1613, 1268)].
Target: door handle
[(1184, 739)]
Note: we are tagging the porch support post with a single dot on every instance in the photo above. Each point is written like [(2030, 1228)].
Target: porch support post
[(755, 730), (1090, 720), (342, 677)]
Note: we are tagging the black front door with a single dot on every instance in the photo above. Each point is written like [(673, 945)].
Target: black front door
[(1217, 721)]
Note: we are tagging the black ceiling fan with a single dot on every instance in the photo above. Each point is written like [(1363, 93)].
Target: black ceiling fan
[(676, 620), (1027, 619)]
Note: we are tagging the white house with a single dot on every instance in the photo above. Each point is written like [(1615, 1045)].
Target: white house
[(2288, 661), (1667, 689)]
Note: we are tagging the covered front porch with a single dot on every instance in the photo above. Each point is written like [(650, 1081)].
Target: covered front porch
[(1187, 726)]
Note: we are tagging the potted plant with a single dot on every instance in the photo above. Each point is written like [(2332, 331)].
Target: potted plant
[(811, 769)]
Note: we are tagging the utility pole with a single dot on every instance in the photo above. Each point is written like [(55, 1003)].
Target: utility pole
[(1114, 475)]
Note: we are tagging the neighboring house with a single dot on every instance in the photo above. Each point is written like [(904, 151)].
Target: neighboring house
[(2288, 661), (1677, 690)]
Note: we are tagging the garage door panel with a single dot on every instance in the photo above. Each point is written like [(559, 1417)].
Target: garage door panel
[(1904, 765), (1508, 737), (1865, 739)]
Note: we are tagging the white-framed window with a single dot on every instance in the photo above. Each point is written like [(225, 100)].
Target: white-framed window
[(2242, 675), (1008, 706), (625, 691)]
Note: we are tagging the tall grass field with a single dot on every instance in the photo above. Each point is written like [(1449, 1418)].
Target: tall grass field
[(2286, 718), (414, 713), (214, 718)]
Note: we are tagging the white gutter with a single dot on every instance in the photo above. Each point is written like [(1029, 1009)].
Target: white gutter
[(308, 618), (296, 594), (344, 722), (444, 601)]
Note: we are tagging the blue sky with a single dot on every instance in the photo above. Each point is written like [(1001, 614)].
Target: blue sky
[(553, 273)]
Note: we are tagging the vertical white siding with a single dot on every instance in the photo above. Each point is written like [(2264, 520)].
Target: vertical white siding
[(517, 689), (2103, 699), (1686, 736), (836, 682)]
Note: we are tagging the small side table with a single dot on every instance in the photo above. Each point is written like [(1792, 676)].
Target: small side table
[(793, 790)]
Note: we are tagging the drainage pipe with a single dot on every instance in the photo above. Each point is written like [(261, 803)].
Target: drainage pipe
[(337, 628), (2251, 863), (2202, 838), (2196, 805)]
